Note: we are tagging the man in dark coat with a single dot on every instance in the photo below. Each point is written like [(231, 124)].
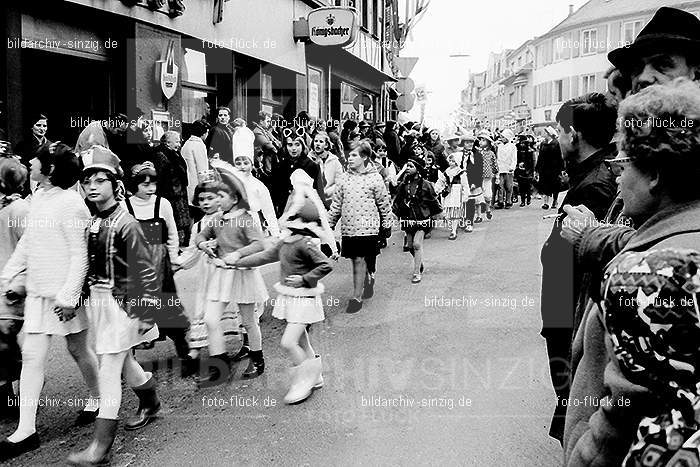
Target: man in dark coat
[(220, 140), (586, 126), (393, 144)]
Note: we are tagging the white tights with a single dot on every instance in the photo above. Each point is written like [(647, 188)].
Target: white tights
[(212, 318), (112, 366), (35, 350)]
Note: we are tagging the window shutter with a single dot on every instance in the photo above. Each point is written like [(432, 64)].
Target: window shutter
[(576, 43), (548, 52), (616, 34), (566, 94), (567, 46), (600, 82), (574, 85), (548, 87), (602, 39)]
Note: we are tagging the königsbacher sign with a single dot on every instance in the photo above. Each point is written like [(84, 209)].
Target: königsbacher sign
[(333, 26)]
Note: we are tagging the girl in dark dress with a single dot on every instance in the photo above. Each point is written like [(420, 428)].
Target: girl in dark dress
[(415, 205)]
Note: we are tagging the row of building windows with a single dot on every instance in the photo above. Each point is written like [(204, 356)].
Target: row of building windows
[(560, 90), (370, 14)]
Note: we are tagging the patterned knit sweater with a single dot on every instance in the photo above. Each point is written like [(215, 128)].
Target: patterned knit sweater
[(361, 202), (53, 249)]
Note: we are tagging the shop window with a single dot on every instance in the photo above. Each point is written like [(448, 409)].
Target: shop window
[(266, 86), (315, 94), (195, 104), (198, 86)]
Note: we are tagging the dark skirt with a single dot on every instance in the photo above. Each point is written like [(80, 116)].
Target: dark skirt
[(412, 226), (360, 247), (171, 313)]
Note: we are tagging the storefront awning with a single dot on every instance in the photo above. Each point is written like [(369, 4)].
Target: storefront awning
[(347, 66)]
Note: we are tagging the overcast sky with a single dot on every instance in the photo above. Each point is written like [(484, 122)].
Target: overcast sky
[(475, 28)]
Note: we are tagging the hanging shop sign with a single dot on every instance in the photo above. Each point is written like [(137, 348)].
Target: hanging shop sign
[(332, 26), (167, 71)]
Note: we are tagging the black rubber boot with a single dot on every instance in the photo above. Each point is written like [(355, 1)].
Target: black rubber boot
[(244, 352), (218, 368), (188, 367), (9, 403), (256, 367), (149, 406), (99, 451)]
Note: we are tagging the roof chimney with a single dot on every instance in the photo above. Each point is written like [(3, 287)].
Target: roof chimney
[(571, 9)]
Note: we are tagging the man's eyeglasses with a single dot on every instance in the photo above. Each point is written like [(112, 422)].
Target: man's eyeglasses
[(290, 132), (617, 165)]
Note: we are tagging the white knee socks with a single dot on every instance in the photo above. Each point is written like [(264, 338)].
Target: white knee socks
[(34, 352)]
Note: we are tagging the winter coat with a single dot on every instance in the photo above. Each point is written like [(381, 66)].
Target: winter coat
[(393, 146), (592, 185), (474, 165), (194, 152), (527, 155), (490, 164), (416, 199), (507, 157), (549, 165), (361, 203), (601, 434), (331, 171), (27, 148), (220, 141), (172, 185), (438, 150)]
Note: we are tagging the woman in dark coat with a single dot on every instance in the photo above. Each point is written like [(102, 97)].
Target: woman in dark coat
[(172, 182), (550, 165), (35, 138)]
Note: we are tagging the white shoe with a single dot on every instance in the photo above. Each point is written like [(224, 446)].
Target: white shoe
[(302, 383), (317, 366)]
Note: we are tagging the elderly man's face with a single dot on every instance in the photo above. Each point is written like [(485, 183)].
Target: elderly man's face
[(173, 142), (659, 68)]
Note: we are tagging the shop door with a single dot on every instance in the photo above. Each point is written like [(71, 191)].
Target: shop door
[(70, 90)]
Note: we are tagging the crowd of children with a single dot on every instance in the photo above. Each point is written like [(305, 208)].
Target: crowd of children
[(119, 282)]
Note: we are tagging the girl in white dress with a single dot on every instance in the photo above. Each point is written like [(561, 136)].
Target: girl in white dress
[(454, 187)]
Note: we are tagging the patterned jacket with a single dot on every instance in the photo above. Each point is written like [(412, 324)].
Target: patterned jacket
[(361, 203)]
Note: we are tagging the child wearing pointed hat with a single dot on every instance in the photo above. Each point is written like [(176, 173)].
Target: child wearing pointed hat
[(258, 195), (232, 234), (302, 265)]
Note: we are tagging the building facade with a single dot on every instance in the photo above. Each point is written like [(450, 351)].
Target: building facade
[(79, 60), (565, 62)]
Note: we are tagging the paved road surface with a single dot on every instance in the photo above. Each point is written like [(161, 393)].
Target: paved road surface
[(449, 371)]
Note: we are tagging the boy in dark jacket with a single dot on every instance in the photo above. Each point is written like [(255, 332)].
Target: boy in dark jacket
[(524, 178)]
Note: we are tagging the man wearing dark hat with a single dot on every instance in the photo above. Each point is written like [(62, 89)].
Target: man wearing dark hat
[(667, 48), (365, 129)]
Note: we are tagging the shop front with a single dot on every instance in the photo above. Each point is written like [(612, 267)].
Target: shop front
[(55, 65), (173, 70)]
